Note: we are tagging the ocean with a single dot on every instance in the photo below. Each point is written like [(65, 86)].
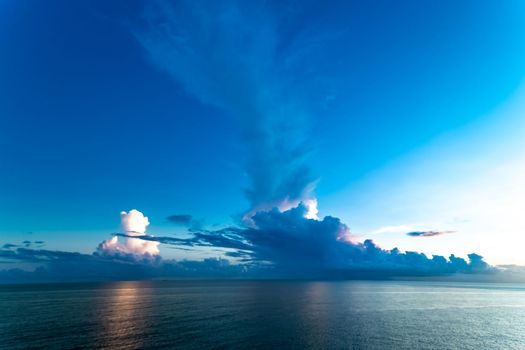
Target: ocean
[(263, 315)]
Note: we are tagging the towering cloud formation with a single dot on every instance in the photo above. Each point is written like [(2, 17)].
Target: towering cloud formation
[(133, 224), (228, 55), (231, 56)]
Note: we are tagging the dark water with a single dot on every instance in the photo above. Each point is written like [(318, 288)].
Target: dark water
[(263, 315)]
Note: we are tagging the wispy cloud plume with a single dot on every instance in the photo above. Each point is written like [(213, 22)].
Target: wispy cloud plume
[(228, 54)]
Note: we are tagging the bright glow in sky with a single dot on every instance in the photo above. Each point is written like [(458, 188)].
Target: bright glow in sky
[(469, 180)]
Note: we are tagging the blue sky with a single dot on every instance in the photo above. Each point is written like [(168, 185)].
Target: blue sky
[(405, 115)]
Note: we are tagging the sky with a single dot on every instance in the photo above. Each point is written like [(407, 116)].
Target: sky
[(235, 137)]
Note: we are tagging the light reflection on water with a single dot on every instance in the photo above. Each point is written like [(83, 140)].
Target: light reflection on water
[(270, 314), (123, 316)]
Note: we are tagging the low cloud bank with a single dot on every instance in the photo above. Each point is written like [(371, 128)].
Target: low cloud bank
[(296, 245), (53, 266), (275, 244)]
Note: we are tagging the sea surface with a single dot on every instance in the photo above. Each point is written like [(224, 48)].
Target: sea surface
[(263, 315)]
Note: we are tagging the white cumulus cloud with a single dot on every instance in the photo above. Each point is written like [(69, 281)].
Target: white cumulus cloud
[(133, 223)]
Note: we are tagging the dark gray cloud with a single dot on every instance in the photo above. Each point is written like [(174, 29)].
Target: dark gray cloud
[(26, 243), (34, 244), (428, 233), (180, 219), (9, 246)]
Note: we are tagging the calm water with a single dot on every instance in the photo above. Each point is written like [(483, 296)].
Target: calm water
[(245, 314)]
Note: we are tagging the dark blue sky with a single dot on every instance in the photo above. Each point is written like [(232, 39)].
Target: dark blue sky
[(97, 116)]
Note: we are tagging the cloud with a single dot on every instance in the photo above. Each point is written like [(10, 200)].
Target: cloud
[(41, 255), (428, 233), (9, 246), (136, 257), (276, 244), (37, 244), (133, 223), (228, 55), (51, 266), (411, 231), (26, 243), (186, 220), (294, 245), (180, 219)]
